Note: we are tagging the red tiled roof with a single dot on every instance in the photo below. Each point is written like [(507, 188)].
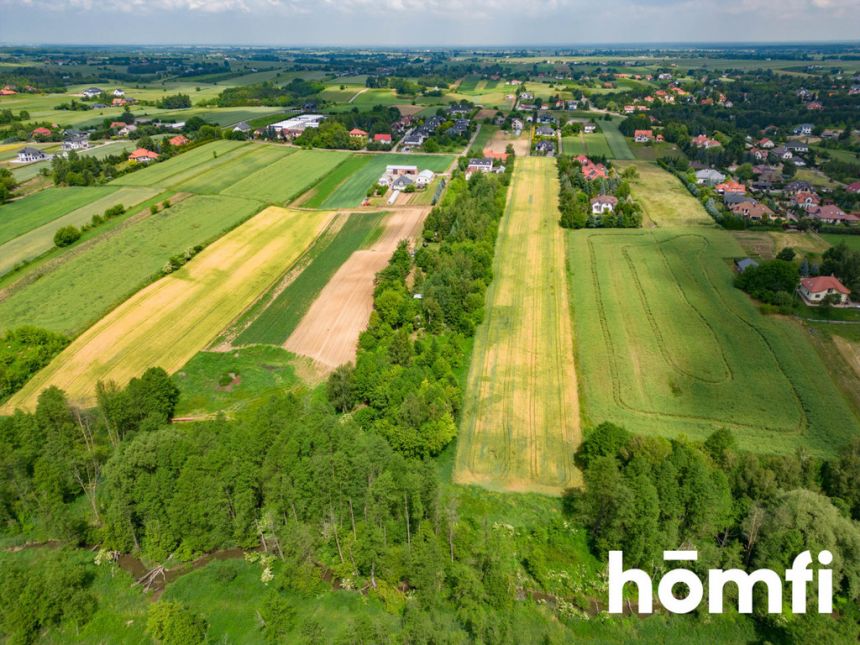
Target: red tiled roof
[(178, 140), (142, 153), (643, 133), (382, 137), (357, 132), (43, 131), (730, 187), (853, 187), (824, 283)]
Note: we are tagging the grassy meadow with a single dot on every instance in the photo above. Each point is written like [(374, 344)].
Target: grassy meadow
[(88, 284), (38, 240), (520, 421), (664, 199), (172, 319), (185, 166), (592, 144)]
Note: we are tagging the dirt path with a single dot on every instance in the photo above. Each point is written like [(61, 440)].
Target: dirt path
[(329, 331)]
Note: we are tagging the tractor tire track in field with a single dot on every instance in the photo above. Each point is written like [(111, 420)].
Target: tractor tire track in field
[(614, 358), (520, 424)]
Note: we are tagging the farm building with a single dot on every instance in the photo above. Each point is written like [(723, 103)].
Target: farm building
[(815, 290), (291, 128), (603, 204), (424, 178), (29, 154), (743, 264)]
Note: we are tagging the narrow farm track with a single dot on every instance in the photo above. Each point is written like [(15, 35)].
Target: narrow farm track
[(520, 424)]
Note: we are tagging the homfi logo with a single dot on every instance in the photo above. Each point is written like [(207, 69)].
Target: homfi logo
[(799, 576)]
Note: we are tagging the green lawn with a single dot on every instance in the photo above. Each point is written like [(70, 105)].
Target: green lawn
[(81, 290), (347, 185), (484, 135), (289, 177), (283, 313)]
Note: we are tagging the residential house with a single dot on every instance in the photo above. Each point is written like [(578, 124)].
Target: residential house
[(766, 143), (797, 186), (545, 131), (806, 200), (358, 133), (517, 125), (414, 140), (142, 155), (832, 214), (853, 187), (797, 147), (703, 141), (75, 140), (242, 127), (603, 204), (709, 177), (759, 154), (402, 182), (127, 130), (546, 146), (753, 211), (730, 186), (116, 125), (804, 129), (118, 93), (41, 132), (588, 128), (178, 140), (29, 154), (382, 138), (643, 136), (781, 152), (424, 178), (814, 290), (478, 165), (92, 92)]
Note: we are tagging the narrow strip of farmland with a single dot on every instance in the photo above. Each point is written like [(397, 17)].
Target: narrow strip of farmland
[(329, 331), (168, 322), (520, 422)]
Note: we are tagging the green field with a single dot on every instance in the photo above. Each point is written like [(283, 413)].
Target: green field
[(592, 144), (220, 177), (258, 371), (851, 241), (287, 178), (23, 215), (84, 288), (36, 241), (484, 135), (675, 349), (286, 309), (663, 198), (617, 142), (185, 166), (347, 185)]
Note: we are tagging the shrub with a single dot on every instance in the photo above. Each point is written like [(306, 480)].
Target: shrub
[(66, 236)]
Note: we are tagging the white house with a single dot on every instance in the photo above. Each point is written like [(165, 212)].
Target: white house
[(91, 92), (603, 204), (424, 178), (816, 289), (74, 140), (30, 154), (118, 93), (709, 177)]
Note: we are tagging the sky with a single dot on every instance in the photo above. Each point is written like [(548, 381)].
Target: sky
[(424, 22)]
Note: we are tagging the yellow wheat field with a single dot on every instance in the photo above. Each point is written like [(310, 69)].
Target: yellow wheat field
[(166, 323), (521, 423)]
